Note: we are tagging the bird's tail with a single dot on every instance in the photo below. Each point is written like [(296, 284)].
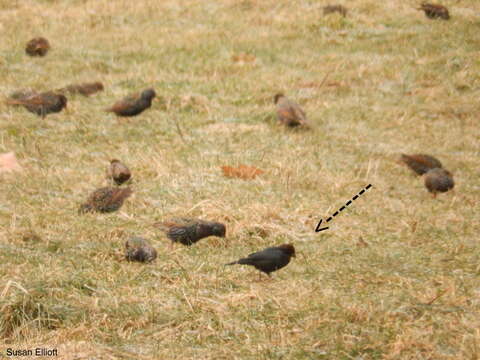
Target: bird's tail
[(244, 261)]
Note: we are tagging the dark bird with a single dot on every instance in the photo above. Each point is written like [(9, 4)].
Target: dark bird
[(134, 104), (434, 11), (420, 163), (41, 104), (85, 89), (105, 200), (118, 172), (188, 231), (139, 249), (270, 259), (38, 46), (439, 180), (330, 9), (289, 112)]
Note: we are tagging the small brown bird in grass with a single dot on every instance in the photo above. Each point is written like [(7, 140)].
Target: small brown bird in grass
[(434, 11), (188, 231), (105, 200), (420, 163), (38, 46), (330, 9), (85, 89), (138, 249), (289, 112), (439, 180), (118, 171), (41, 104), (270, 259), (134, 104)]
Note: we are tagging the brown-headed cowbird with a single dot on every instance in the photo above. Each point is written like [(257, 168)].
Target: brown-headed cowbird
[(85, 89), (38, 46), (105, 200), (118, 172), (289, 112), (188, 231), (138, 249), (439, 180), (434, 11), (270, 259), (41, 104), (420, 163), (134, 104), (330, 9)]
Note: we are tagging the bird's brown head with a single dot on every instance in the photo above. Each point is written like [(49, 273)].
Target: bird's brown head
[(97, 85), (448, 173), (277, 97), (148, 94), (288, 249), (113, 161)]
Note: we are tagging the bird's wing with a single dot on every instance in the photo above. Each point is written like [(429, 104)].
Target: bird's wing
[(286, 114), (121, 194)]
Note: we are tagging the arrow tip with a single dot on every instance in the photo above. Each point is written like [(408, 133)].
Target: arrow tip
[(318, 228)]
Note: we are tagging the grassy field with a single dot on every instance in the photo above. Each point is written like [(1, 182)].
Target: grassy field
[(395, 277)]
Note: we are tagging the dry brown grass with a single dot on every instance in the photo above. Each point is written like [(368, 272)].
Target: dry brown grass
[(365, 289)]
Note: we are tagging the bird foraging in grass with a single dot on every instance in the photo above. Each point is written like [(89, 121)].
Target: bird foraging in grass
[(330, 9), (188, 231), (105, 200), (289, 112), (139, 249), (41, 104), (118, 172), (420, 163), (434, 11), (270, 259), (38, 46), (134, 104), (85, 89), (439, 180)]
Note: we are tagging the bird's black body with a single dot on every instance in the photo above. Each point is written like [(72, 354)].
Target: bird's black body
[(270, 259)]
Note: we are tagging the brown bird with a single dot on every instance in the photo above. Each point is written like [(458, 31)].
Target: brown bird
[(105, 200), (270, 259), (138, 249), (330, 9), (434, 11), (85, 89), (188, 231), (118, 171), (39, 103), (420, 163), (134, 104), (289, 112), (38, 46), (439, 180)]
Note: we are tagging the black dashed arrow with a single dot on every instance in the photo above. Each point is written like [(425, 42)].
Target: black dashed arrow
[(348, 203)]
